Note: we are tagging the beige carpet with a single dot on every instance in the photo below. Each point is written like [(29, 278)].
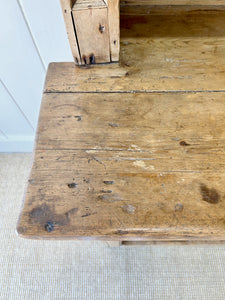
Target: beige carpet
[(90, 270)]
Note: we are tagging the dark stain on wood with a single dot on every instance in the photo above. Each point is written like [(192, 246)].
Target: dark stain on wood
[(104, 197), (86, 180), (183, 143), (85, 59), (92, 59), (108, 182), (101, 28), (121, 232), (179, 207), (130, 209), (113, 125), (86, 215), (43, 215), (72, 185), (40, 214), (209, 195), (49, 227), (66, 117), (31, 181), (110, 198), (71, 212), (79, 118)]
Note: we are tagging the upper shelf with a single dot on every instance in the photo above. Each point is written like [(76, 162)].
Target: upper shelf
[(158, 53), (172, 2)]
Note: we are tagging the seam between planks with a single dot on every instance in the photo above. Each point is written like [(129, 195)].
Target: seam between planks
[(134, 92)]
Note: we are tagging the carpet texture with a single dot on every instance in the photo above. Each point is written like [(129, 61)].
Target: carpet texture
[(57, 270)]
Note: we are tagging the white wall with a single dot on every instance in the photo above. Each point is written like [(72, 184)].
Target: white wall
[(32, 34)]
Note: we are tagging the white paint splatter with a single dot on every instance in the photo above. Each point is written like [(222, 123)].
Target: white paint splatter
[(141, 164), (169, 59), (134, 147), (91, 151)]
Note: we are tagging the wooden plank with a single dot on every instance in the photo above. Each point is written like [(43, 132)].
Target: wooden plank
[(92, 29), (128, 167), (158, 53), (74, 115), (168, 243), (169, 9), (66, 9), (85, 4), (114, 29), (172, 2)]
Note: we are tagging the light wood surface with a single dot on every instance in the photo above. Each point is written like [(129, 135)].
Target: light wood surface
[(169, 9), (93, 27), (91, 24), (85, 4), (171, 2), (156, 55), (114, 29), (93, 30), (66, 10), (119, 160), (128, 166)]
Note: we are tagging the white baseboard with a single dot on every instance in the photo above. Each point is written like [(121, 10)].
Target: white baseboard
[(17, 144)]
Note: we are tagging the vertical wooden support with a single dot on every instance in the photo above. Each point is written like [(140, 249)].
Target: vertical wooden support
[(114, 28), (66, 9), (92, 30)]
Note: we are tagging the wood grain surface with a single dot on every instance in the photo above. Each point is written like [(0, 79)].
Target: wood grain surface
[(114, 29), (171, 2), (119, 161), (169, 9), (158, 53), (92, 30), (66, 10), (128, 166)]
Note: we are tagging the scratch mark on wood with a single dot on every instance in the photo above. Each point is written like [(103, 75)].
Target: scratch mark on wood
[(113, 125), (79, 118), (97, 160), (108, 182), (71, 212), (88, 214)]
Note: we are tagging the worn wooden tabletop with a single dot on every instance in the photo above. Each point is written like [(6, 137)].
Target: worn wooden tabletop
[(135, 150)]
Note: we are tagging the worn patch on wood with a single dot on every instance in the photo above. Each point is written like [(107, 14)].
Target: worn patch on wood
[(179, 207), (209, 195), (130, 209), (141, 164)]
